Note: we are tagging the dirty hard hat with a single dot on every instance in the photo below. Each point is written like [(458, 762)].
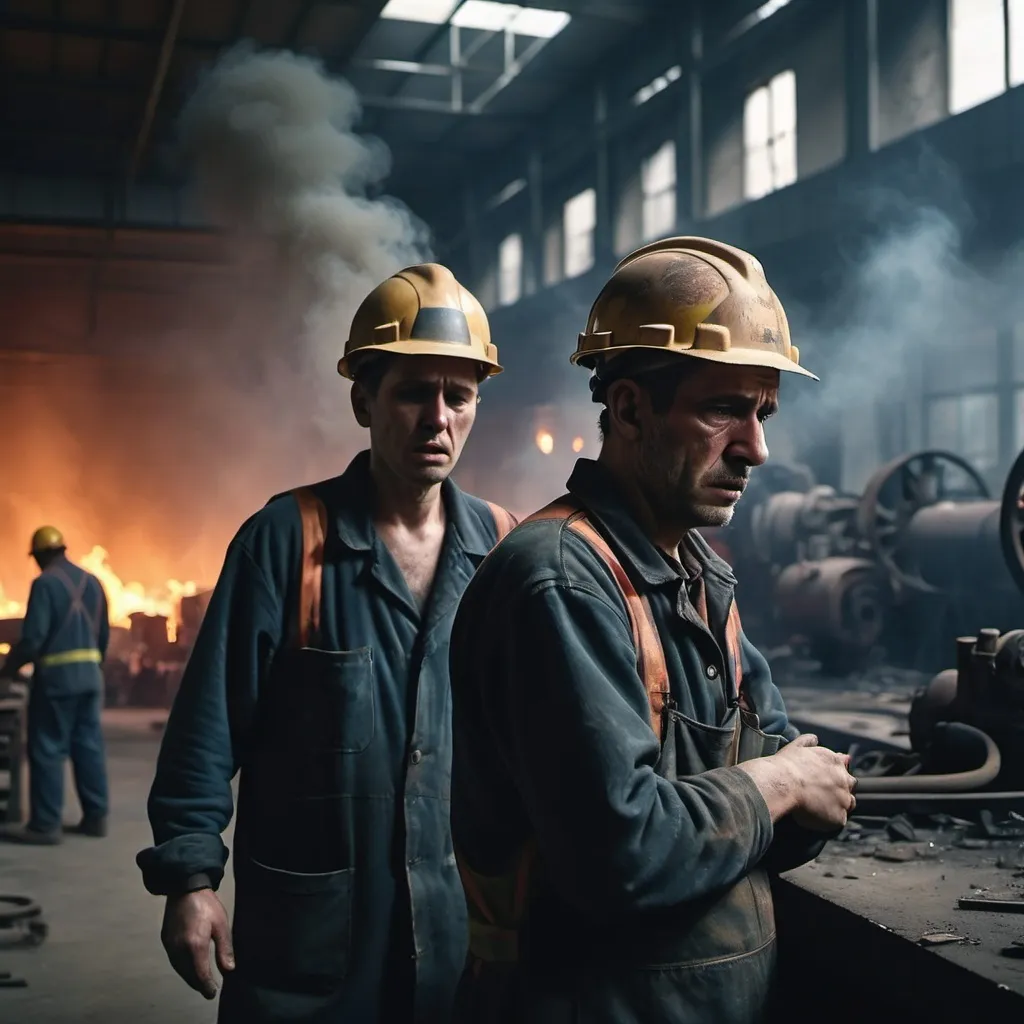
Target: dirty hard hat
[(421, 311), (46, 538), (693, 297)]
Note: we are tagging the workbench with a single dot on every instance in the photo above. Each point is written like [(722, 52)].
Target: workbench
[(851, 927)]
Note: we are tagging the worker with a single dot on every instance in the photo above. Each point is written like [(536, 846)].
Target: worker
[(64, 637), (624, 772), (320, 673)]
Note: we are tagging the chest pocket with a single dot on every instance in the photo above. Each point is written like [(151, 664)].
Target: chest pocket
[(336, 697)]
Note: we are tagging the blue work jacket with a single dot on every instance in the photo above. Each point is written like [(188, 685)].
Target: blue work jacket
[(348, 902), (65, 632), (648, 897)]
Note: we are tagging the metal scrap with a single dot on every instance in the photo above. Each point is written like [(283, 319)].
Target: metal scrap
[(940, 938), (897, 853)]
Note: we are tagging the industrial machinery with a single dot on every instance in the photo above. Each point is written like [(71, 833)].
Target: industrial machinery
[(922, 554)]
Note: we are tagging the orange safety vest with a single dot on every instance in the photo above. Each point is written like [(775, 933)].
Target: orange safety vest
[(497, 904)]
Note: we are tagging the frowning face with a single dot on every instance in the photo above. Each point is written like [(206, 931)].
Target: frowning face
[(420, 415)]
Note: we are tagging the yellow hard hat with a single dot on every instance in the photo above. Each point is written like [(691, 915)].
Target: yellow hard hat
[(694, 296), (46, 538), (421, 311)]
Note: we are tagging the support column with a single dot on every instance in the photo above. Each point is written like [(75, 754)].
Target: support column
[(533, 240), (691, 186), (861, 58), (603, 235), (1006, 390)]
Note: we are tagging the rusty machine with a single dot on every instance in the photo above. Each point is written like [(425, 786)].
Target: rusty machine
[(923, 554)]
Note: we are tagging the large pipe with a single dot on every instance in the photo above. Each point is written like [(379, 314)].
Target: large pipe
[(951, 782)]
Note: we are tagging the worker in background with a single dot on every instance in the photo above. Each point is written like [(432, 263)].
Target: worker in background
[(624, 771), (64, 636), (320, 673)]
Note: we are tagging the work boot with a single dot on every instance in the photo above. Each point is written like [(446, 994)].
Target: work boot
[(95, 827), (28, 836)]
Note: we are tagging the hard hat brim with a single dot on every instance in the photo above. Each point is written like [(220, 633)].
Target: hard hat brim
[(734, 357), (420, 348)]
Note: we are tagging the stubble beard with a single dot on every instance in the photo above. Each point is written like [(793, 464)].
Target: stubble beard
[(670, 489)]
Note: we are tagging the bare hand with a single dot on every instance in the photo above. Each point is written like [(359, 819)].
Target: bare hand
[(191, 922), (824, 795)]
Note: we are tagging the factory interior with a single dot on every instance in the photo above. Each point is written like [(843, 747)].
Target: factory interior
[(196, 196)]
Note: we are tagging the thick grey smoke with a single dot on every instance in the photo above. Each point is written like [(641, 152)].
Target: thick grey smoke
[(270, 138)]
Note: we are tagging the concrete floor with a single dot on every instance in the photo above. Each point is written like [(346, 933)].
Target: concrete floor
[(102, 962)]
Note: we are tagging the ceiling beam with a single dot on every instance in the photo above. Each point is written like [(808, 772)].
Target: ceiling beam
[(443, 107), (156, 88), (291, 36)]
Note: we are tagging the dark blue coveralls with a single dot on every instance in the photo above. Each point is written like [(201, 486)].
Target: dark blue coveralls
[(348, 902), (65, 636)]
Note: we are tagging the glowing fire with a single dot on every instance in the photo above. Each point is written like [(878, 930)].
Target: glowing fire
[(577, 444), (9, 609), (545, 442), (123, 599)]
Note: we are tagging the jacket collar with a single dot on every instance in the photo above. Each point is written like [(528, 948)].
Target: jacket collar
[(596, 489), (353, 510)]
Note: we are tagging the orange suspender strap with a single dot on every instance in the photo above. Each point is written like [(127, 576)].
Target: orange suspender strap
[(313, 513), (733, 628), (504, 521), (650, 654)]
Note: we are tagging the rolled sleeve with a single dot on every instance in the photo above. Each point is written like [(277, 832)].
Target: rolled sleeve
[(190, 802)]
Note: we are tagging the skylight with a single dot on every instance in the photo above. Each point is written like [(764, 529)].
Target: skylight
[(430, 12), (490, 16)]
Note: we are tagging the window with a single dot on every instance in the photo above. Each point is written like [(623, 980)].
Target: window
[(769, 137), (977, 51), (658, 184), (490, 16), (510, 270), (430, 12), (966, 425), (579, 218), (553, 254)]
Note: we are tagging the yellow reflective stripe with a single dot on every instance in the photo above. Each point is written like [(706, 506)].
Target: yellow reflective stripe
[(83, 654), (492, 944)]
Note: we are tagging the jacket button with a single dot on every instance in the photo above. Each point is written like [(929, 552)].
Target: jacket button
[(711, 671), (416, 756)]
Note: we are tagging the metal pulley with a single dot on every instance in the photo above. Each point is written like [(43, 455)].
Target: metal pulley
[(834, 601), (927, 520)]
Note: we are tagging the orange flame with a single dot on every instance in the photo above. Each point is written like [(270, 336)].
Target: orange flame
[(545, 442), (577, 444), (123, 599)]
